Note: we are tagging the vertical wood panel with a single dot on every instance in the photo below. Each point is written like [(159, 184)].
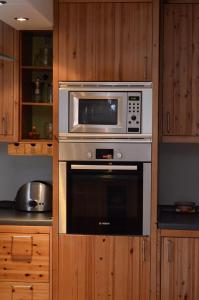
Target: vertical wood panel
[(195, 70), (104, 268), (179, 268), (105, 41), (177, 70)]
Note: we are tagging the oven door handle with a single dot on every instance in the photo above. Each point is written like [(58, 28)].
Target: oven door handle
[(104, 167)]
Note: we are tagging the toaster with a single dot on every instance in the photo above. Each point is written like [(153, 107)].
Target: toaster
[(34, 196)]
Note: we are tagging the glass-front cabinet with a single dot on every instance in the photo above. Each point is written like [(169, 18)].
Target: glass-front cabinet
[(36, 95), (36, 85)]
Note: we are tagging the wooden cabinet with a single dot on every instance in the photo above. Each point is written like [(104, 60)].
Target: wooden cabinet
[(104, 268), (180, 115), (36, 86), (179, 268), (25, 263), (35, 132), (105, 41), (9, 79)]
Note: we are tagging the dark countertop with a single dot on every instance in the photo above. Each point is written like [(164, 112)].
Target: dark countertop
[(168, 218), (13, 217)]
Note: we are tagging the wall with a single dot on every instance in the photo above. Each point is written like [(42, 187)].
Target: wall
[(17, 170), (178, 173)]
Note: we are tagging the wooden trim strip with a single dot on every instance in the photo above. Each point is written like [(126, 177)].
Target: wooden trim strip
[(180, 139), (104, 1), (181, 1), (179, 233), (25, 229)]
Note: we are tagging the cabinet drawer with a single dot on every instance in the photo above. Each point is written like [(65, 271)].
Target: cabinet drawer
[(24, 257), (47, 149), (24, 291), (16, 149), (33, 149)]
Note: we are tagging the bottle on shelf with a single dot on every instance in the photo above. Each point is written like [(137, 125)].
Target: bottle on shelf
[(37, 89)]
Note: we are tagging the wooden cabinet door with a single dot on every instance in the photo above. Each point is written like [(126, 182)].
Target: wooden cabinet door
[(179, 268), (8, 85), (103, 268), (177, 70), (105, 41)]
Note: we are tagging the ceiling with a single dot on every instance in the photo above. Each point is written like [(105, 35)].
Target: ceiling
[(39, 12)]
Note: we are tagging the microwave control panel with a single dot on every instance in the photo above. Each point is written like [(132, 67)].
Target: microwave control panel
[(134, 112)]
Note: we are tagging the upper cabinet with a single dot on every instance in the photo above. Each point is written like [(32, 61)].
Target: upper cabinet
[(105, 41), (180, 72), (36, 86), (9, 86)]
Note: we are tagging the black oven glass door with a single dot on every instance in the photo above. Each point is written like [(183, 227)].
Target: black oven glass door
[(105, 198), (98, 111)]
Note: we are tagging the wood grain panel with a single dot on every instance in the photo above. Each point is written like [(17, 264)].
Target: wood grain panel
[(177, 70), (8, 84), (195, 70), (101, 1), (33, 269), (24, 291), (101, 267), (179, 268), (105, 41)]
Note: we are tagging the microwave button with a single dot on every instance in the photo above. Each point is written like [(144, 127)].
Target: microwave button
[(133, 118), (89, 155), (119, 155)]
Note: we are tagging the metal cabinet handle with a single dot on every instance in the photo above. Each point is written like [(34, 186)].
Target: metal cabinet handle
[(21, 287), (168, 122), (144, 250), (145, 67), (104, 167), (6, 123), (170, 251)]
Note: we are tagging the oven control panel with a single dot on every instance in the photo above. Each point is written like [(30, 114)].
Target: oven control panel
[(134, 112)]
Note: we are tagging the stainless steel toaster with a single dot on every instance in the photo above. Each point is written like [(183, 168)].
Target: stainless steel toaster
[(34, 196)]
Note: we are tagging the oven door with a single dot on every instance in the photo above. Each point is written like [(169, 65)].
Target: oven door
[(104, 198), (97, 112)]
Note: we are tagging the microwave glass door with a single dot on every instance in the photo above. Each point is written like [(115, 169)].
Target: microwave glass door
[(94, 112), (98, 111), (105, 199)]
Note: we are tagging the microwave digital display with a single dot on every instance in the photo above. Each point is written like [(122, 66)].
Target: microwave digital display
[(98, 111)]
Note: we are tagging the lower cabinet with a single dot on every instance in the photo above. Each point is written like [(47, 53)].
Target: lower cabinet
[(104, 268), (25, 262), (179, 268)]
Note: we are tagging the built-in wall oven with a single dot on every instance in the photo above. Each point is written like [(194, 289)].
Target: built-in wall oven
[(105, 131), (104, 187)]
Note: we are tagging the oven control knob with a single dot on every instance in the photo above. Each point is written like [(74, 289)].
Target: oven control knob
[(119, 155), (89, 154)]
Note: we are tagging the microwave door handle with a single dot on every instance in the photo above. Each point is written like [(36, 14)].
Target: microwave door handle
[(104, 167)]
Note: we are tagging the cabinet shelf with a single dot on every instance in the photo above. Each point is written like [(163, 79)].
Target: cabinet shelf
[(37, 104), (37, 68)]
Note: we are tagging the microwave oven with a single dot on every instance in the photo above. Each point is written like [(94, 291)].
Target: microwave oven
[(105, 108)]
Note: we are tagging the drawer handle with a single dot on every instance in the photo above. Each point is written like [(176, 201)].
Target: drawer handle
[(22, 287), (22, 292), (21, 247)]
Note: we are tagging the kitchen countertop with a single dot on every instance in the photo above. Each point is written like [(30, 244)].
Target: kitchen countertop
[(168, 218), (13, 217)]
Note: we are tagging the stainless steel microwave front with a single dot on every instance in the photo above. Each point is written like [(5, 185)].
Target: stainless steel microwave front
[(105, 108)]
